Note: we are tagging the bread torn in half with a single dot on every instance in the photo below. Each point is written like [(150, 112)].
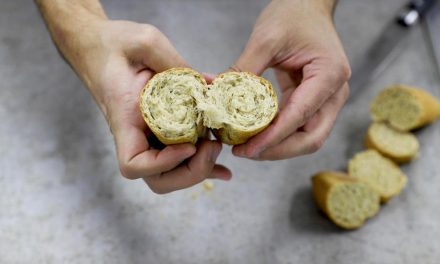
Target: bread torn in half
[(382, 174), (394, 144), (405, 107), (177, 105), (347, 201)]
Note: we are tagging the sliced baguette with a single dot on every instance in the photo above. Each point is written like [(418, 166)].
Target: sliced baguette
[(394, 144), (382, 174), (405, 107), (347, 201), (177, 105), (168, 105)]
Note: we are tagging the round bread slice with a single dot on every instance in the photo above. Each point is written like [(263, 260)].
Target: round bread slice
[(391, 143), (382, 174), (405, 107), (239, 105), (169, 107), (347, 201)]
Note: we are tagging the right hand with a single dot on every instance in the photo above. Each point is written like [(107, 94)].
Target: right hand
[(115, 59)]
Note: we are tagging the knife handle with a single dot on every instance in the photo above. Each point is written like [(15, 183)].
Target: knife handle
[(414, 10)]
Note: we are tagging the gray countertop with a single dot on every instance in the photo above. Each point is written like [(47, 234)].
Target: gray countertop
[(62, 199)]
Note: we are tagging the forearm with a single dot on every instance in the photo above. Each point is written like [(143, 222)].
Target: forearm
[(72, 25)]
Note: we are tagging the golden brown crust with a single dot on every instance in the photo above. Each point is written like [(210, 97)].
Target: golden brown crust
[(429, 104), (322, 183)]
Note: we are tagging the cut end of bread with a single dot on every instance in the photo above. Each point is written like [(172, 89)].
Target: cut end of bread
[(405, 107), (347, 201), (397, 106), (379, 172), (168, 105), (394, 144), (246, 101), (237, 105)]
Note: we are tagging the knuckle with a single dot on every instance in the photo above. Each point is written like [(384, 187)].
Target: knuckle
[(345, 70), (150, 35), (316, 145), (303, 112), (340, 71), (126, 171)]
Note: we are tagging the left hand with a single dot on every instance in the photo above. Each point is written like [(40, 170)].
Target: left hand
[(298, 39)]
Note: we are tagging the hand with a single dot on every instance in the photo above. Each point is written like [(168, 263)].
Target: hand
[(298, 39), (115, 59)]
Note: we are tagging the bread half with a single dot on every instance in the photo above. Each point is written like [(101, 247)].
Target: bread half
[(394, 144), (347, 201), (178, 105), (382, 174), (405, 107), (240, 105), (169, 105)]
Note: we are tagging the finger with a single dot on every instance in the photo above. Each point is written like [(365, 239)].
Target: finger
[(314, 133), (136, 160), (209, 77), (252, 59), (155, 50), (308, 97), (220, 172), (198, 168), (287, 81)]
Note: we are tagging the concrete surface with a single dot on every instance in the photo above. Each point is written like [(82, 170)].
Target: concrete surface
[(62, 199)]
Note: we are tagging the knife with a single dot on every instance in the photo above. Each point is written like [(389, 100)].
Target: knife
[(385, 47), (433, 26)]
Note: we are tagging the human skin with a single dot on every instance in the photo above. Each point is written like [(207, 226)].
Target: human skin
[(115, 59), (298, 40)]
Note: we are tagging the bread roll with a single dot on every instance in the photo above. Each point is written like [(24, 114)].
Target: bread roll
[(347, 201), (391, 143), (178, 105), (382, 174), (405, 107)]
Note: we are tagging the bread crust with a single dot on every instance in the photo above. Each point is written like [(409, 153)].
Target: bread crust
[(370, 143), (323, 182), (428, 104)]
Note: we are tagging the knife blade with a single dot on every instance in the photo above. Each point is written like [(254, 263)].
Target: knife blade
[(433, 28), (384, 49)]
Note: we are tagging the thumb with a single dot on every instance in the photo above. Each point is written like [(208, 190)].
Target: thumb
[(254, 58), (155, 51)]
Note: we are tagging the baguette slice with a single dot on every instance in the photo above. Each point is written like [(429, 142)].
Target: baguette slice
[(240, 105), (168, 104), (394, 144), (347, 201), (178, 105), (382, 174), (405, 107)]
